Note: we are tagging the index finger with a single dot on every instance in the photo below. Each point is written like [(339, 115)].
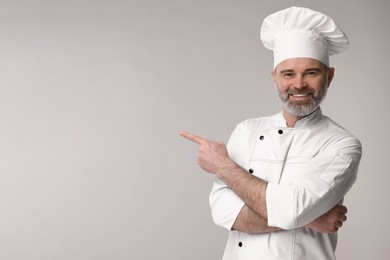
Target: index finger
[(192, 137)]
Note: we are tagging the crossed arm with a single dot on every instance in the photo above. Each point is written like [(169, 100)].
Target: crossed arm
[(249, 222), (213, 157)]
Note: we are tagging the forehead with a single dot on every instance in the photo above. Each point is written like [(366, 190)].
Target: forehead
[(300, 64)]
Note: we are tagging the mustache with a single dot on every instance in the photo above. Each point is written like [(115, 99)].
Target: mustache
[(304, 91)]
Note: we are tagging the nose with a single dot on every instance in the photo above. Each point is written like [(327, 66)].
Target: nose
[(299, 82)]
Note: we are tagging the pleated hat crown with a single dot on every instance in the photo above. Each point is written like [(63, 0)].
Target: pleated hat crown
[(298, 32)]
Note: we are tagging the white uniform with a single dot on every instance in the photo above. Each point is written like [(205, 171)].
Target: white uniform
[(309, 169)]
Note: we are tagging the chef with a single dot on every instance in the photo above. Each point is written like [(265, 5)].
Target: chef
[(281, 179)]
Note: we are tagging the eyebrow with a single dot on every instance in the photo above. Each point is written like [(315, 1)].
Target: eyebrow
[(290, 70), (284, 71), (315, 69)]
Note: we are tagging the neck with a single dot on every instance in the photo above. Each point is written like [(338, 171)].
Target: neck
[(291, 120)]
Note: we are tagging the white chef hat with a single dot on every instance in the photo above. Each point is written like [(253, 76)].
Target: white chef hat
[(301, 32)]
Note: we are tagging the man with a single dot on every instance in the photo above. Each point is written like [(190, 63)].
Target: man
[(281, 179)]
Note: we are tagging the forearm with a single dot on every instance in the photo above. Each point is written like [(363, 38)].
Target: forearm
[(251, 189), (248, 221)]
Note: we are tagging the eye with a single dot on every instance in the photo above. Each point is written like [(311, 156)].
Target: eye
[(312, 73), (287, 75)]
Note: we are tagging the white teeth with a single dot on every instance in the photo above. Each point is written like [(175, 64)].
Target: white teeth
[(301, 95)]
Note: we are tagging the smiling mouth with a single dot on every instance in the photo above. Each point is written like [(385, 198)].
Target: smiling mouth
[(300, 95)]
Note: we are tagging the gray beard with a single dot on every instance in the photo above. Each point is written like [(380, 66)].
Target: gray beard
[(303, 110)]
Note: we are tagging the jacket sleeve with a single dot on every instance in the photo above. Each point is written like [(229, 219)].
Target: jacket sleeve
[(320, 186), (224, 203)]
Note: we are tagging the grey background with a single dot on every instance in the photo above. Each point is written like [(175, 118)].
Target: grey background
[(94, 93)]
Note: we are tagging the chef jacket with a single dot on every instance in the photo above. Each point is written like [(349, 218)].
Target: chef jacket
[(309, 168)]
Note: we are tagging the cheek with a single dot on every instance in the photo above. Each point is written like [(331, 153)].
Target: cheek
[(283, 88), (282, 93), (319, 86)]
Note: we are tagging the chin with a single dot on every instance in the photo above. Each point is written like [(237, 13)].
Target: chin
[(301, 110)]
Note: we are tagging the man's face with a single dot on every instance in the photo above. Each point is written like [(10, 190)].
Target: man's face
[(302, 84)]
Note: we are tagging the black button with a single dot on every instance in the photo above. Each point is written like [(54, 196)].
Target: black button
[(280, 131), (251, 170), (240, 244), (262, 137)]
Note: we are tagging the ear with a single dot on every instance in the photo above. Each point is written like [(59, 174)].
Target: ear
[(273, 74), (330, 75)]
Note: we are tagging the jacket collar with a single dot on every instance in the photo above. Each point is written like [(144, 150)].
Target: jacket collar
[(311, 119)]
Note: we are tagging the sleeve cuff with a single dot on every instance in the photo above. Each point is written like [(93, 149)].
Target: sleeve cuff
[(281, 206), (226, 208)]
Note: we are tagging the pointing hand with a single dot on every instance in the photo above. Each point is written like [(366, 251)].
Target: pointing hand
[(213, 157)]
